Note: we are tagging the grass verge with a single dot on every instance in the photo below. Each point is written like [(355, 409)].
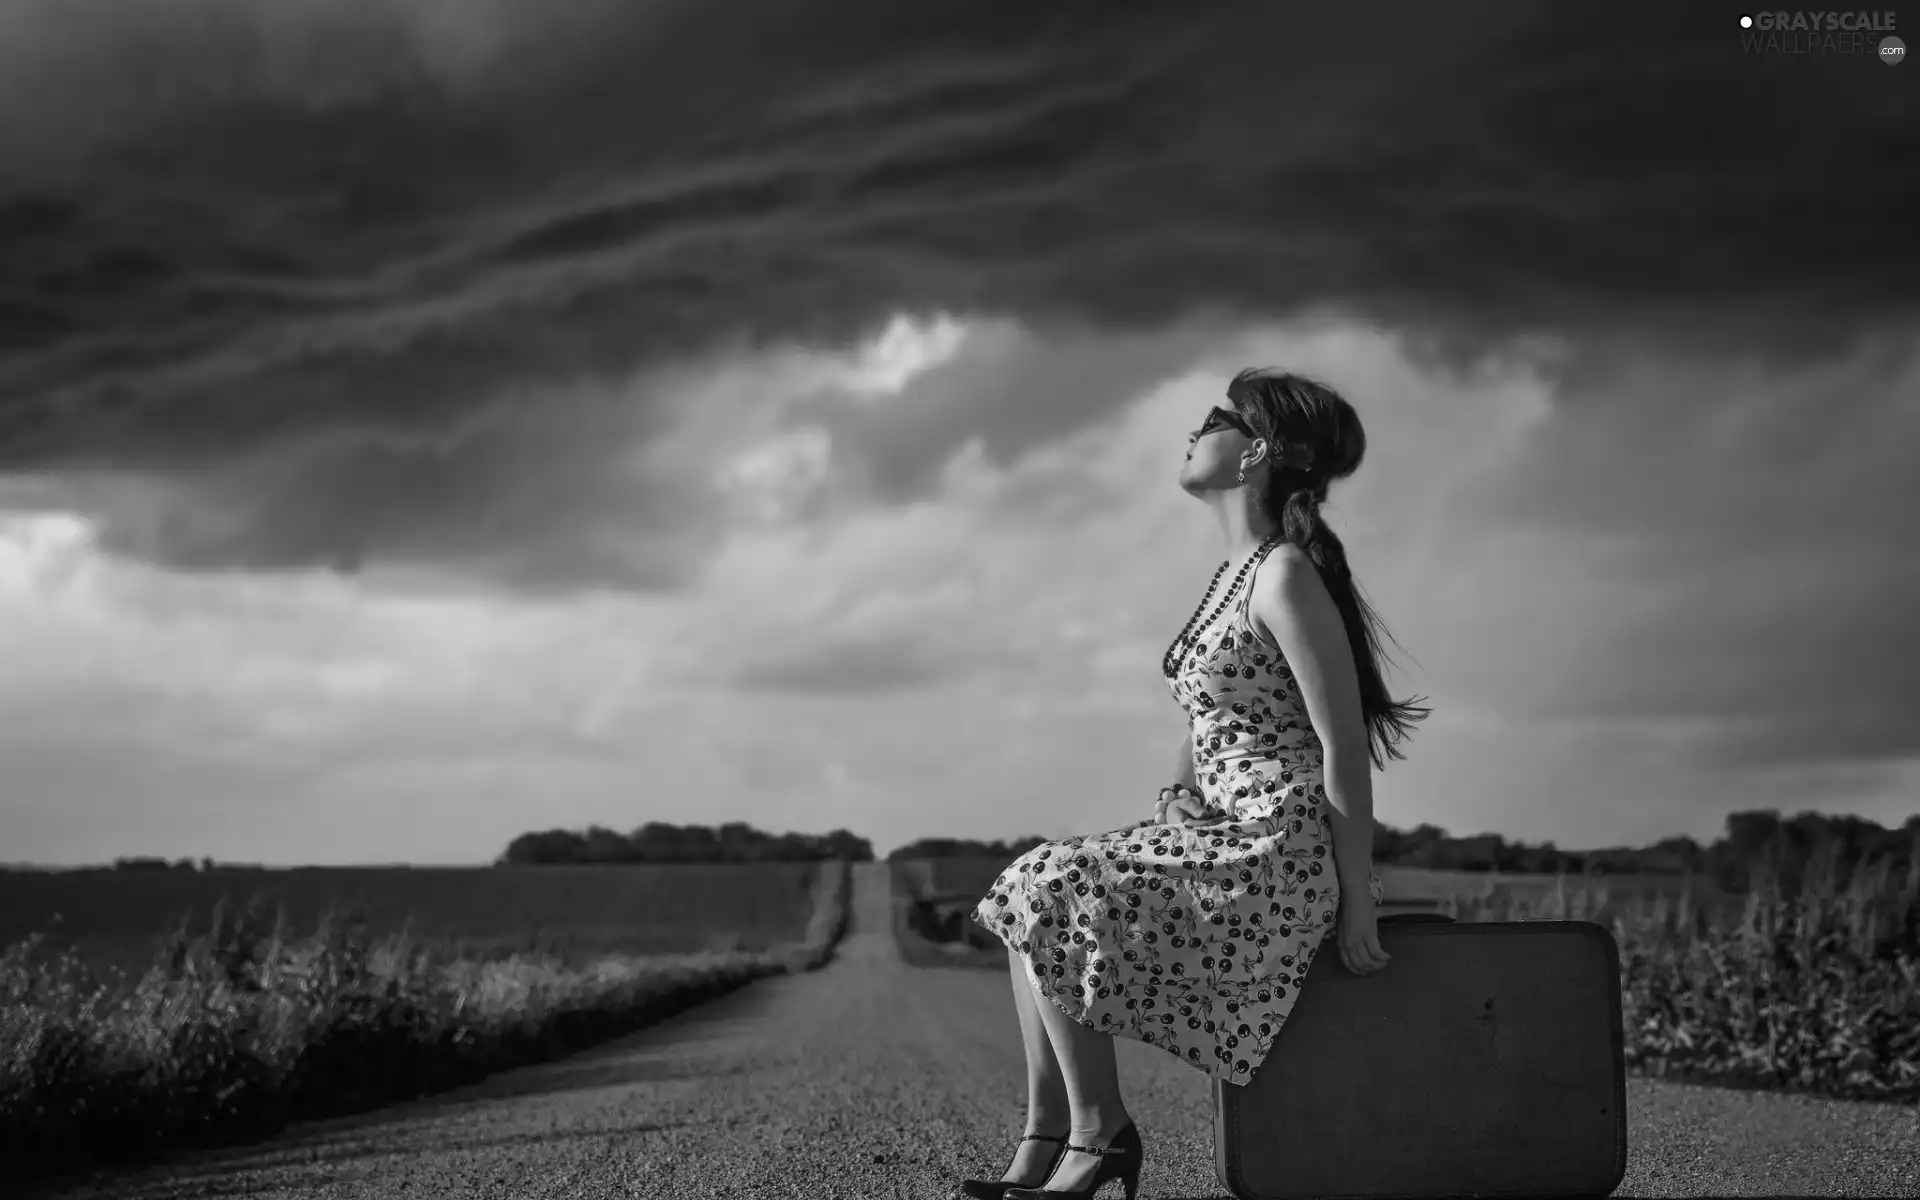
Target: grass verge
[(239, 1032)]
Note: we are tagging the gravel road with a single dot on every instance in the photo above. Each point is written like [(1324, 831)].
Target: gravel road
[(874, 1078)]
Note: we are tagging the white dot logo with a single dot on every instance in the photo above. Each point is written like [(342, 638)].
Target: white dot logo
[(1746, 22), (1893, 51)]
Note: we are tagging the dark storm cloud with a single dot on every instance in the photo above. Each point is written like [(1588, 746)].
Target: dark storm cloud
[(1012, 391), (232, 234)]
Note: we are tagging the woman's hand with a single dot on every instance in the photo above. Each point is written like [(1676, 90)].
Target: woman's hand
[(1360, 933), (1176, 805), (1185, 808)]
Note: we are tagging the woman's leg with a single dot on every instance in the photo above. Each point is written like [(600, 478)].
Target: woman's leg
[(1093, 1084), (1048, 1110)]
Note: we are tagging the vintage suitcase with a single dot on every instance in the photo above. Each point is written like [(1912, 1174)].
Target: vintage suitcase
[(1486, 1060)]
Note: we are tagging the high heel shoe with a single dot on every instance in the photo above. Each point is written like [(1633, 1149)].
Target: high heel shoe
[(996, 1189), (1120, 1159)]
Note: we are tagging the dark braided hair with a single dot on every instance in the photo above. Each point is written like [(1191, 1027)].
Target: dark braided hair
[(1292, 411)]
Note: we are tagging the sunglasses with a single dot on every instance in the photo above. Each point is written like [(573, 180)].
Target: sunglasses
[(1220, 418)]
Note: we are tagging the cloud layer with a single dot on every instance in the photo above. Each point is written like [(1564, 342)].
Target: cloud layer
[(340, 283), (422, 420)]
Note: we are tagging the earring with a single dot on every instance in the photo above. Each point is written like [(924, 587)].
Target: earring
[(1240, 476)]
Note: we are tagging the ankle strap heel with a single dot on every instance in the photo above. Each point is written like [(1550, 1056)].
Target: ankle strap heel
[(1119, 1159), (995, 1189)]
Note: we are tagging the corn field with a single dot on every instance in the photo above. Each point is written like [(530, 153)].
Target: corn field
[(1812, 986)]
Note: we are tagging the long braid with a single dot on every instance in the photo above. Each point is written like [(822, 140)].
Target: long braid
[(1294, 496)]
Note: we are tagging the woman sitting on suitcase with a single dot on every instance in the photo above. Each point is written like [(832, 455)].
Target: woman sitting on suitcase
[(1193, 931)]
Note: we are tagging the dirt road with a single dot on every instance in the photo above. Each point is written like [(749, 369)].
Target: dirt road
[(873, 1078)]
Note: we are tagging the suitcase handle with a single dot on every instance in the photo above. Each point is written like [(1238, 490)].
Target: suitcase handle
[(1416, 918)]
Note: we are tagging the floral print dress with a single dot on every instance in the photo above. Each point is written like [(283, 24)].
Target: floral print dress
[(1194, 941)]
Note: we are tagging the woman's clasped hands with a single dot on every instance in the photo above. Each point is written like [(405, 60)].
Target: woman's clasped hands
[(1181, 805)]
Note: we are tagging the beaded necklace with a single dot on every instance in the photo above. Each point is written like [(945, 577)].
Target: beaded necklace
[(1183, 641)]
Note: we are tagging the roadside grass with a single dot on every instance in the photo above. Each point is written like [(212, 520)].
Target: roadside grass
[(111, 918), (234, 1033)]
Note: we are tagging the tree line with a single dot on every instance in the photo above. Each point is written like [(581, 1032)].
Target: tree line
[(1750, 837), (944, 847), (1789, 844), (663, 842)]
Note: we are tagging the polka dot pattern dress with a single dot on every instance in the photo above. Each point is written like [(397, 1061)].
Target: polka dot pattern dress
[(1194, 941)]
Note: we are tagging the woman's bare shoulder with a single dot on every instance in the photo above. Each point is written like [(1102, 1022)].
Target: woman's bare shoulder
[(1286, 588), (1282, 574), (1283, 558)]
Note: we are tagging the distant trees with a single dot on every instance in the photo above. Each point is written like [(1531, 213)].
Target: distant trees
[(150, 863), (963, 848), (1751, 837), (662, 842), (1787, 844)]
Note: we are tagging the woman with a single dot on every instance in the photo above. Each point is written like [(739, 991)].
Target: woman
[(1193, 932)]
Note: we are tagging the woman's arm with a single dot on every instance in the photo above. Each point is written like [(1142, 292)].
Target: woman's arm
[(1177, 810), (1299, 615), (1183, 770)]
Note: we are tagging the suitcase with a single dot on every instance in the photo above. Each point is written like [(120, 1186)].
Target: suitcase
[(1486, 1060)]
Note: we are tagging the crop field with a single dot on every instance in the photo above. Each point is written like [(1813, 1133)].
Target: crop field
[(115, 920), (1476, 895)]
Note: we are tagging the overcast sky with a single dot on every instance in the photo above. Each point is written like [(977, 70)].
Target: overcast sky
[(423, 421)]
